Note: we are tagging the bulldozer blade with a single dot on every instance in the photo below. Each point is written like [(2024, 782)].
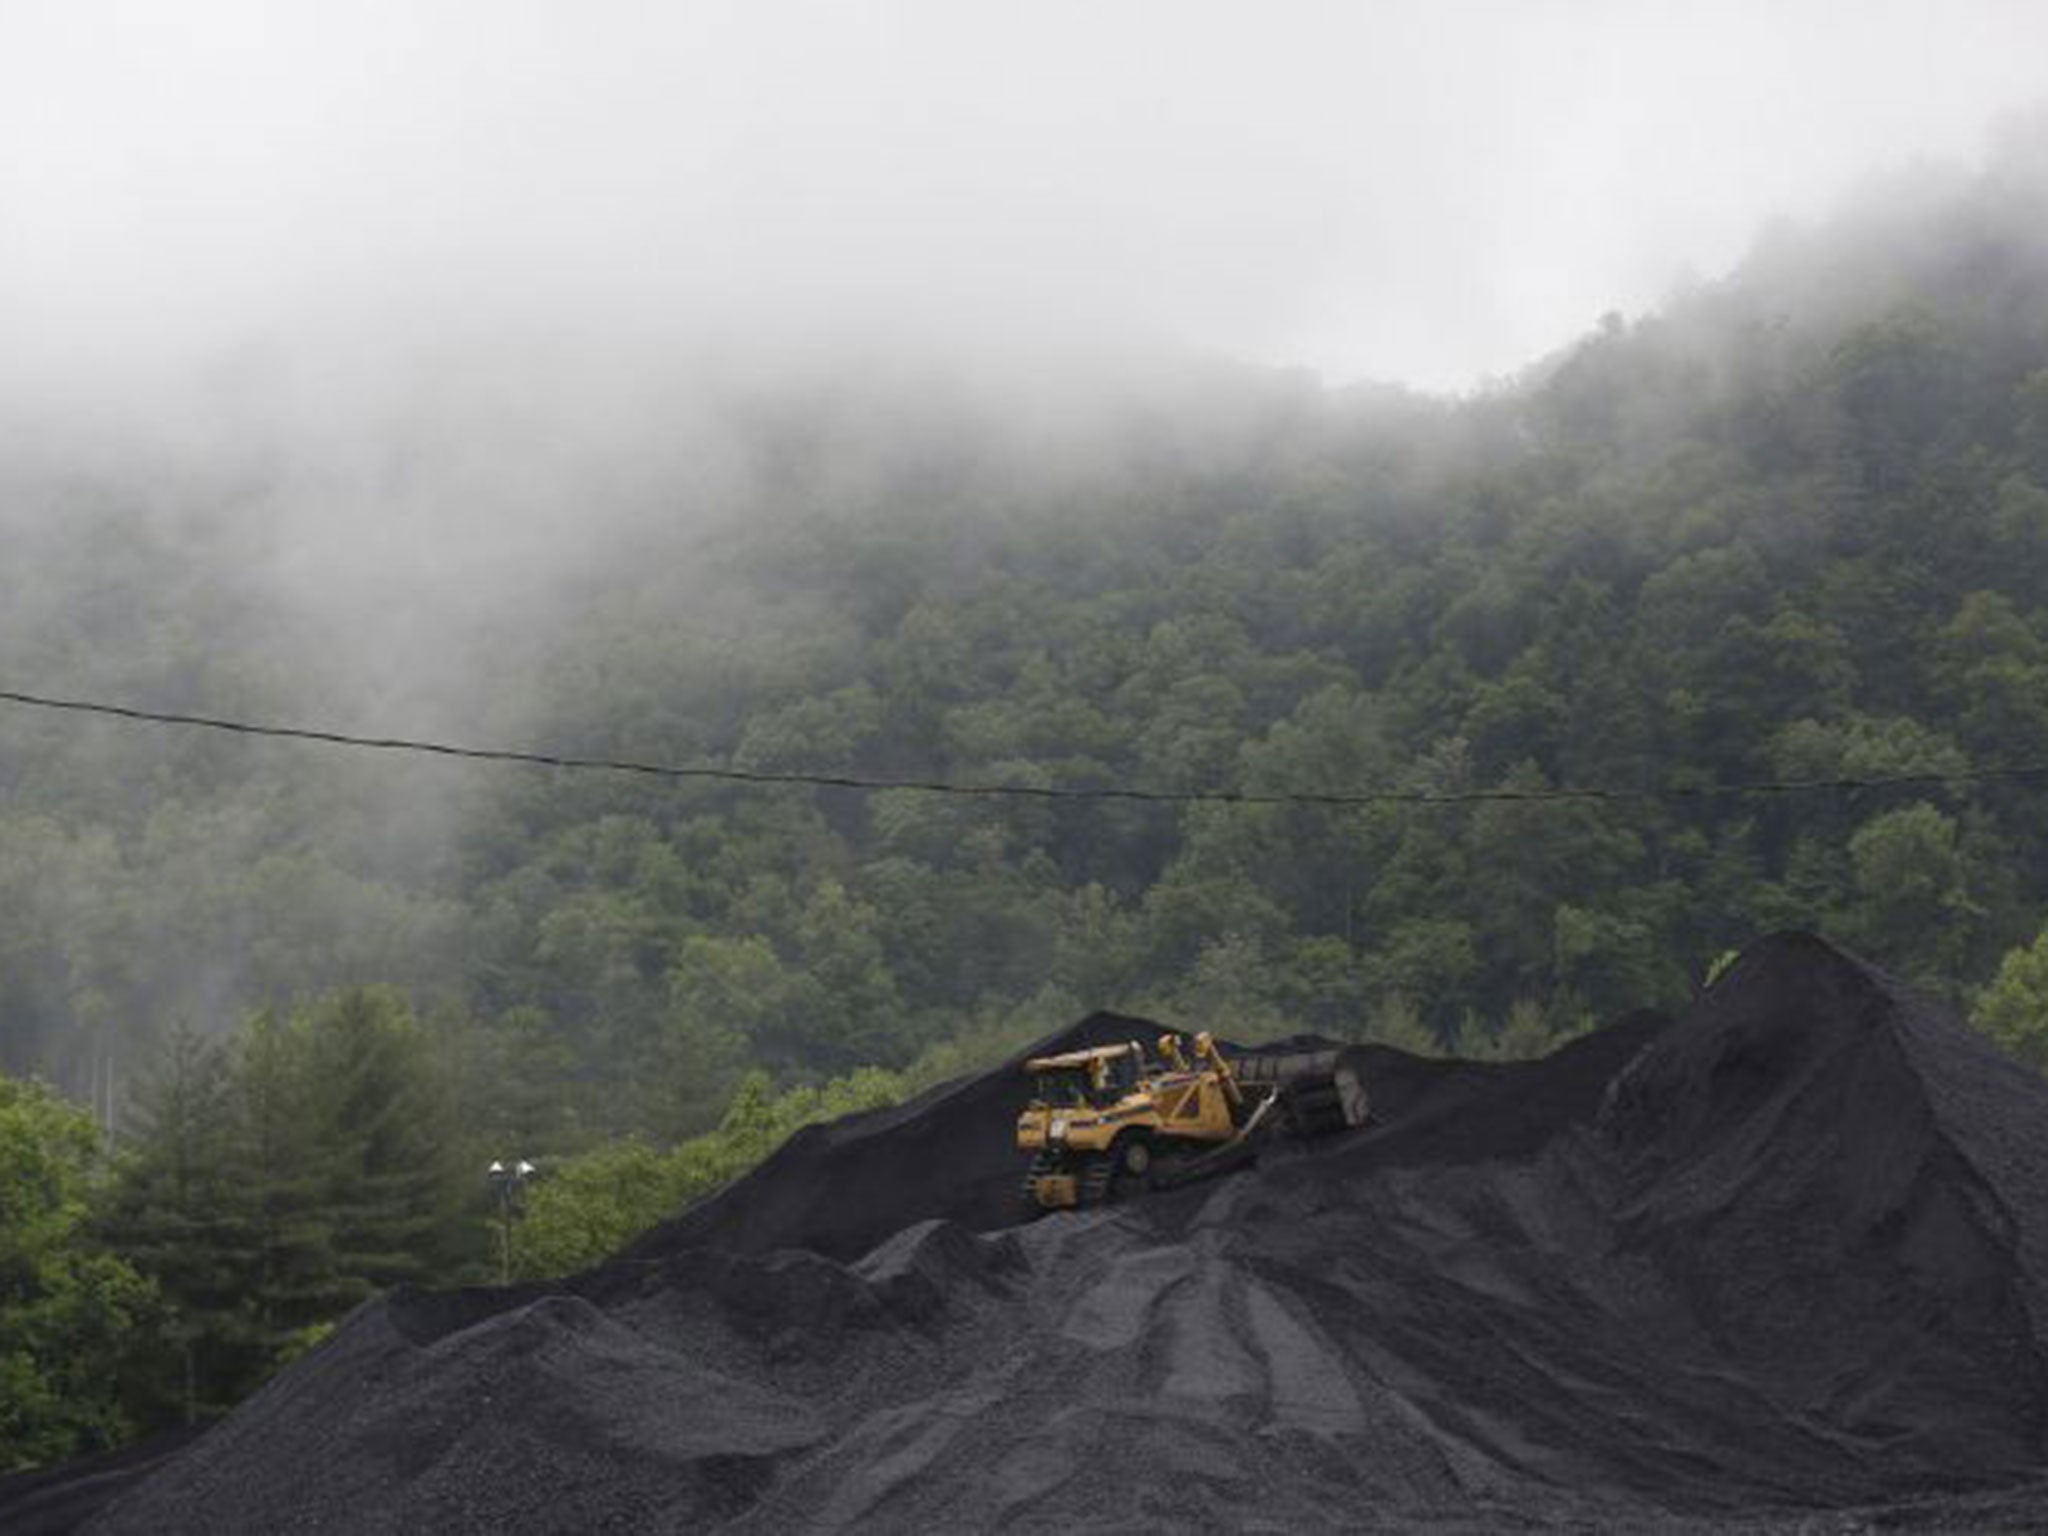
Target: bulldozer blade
[(1325, 1090)]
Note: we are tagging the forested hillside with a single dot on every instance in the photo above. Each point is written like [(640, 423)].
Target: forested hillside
[(1793, 527)]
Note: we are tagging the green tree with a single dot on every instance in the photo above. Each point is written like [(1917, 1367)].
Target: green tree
[(390, 1190), (2030, 401), (70, 1313), (1911, 905), (587, 1208), (177, 1210), (281, 1173), (1432, 964), (590, 1206), (1322, 986), (1996, 664), (1393, 1020), (1097, 951), (1893, 378), (850, 1013), (2013, 1009)]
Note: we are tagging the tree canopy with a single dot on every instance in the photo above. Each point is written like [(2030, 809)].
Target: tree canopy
[(1792, 528)]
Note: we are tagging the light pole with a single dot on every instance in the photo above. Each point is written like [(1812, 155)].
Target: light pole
[(508, 1183)]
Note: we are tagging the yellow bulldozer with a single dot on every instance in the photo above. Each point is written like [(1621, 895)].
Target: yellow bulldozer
[(1112, 1121)]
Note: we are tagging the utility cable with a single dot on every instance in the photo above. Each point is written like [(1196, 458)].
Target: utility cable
[(754, 776)]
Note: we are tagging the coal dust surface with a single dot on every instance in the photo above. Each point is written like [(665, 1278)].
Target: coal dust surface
[(1778, 1264)]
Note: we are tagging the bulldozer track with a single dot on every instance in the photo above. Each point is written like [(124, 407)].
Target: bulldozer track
[(1093, 1183), (1041, 1165)]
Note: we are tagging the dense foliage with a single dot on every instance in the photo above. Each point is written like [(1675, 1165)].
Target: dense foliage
[(597, 1202), (1794, 528), (273, 1180), (66, 1310)]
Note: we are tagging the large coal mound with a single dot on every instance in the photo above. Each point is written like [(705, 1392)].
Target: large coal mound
[(1780, 1255), (839, 1189)]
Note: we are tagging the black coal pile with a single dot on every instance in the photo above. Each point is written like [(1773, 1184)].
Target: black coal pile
[(1775, 1265), (838, 1189)]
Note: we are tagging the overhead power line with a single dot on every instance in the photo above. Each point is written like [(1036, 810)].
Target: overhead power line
[(672, 771)]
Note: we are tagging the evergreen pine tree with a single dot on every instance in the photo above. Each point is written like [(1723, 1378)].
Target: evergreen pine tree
[(391, 1190), (177, 1213)]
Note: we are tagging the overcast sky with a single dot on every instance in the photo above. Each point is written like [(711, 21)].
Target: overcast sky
[(1429, 191)]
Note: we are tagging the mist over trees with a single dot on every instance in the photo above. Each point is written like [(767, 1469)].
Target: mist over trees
[(1792, 527)]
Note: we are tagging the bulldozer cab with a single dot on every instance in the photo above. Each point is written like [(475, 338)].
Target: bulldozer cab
[(1065, 1088), (1085, 1079)]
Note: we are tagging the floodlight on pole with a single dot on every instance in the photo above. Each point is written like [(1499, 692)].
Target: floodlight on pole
[(509, 1185)]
